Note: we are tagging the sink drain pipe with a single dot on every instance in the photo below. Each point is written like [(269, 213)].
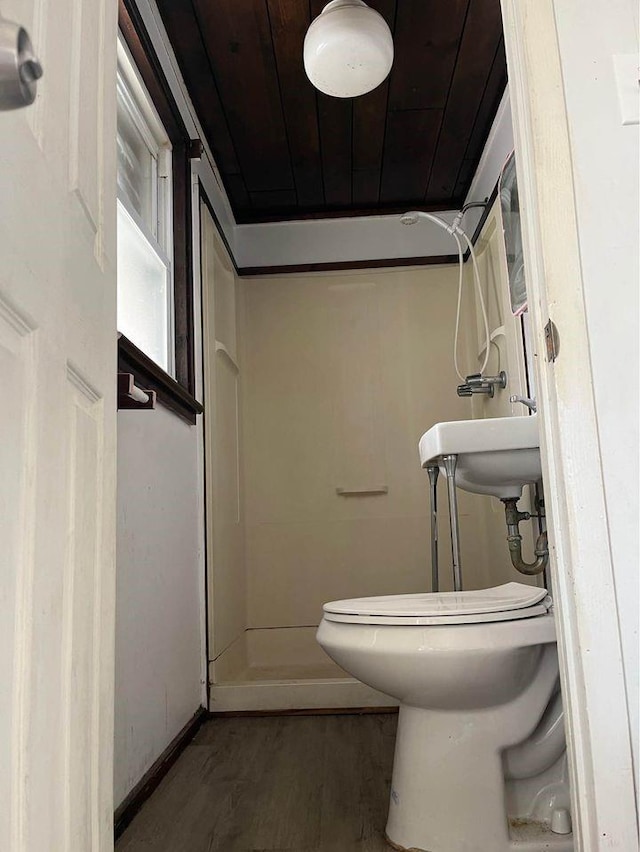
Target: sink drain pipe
[(514, 539)]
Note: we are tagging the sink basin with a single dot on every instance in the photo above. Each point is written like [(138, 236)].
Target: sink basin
[(496, 456)]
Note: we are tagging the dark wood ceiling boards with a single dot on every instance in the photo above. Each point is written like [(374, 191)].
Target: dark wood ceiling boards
[(286, 151)]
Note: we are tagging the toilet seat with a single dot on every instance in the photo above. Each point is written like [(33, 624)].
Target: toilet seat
[(509, 602)]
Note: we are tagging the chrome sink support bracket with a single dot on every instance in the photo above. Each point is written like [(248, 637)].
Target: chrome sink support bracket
[(450, 463), (433, 470)]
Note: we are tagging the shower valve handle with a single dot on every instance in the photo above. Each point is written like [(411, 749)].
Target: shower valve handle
[(475, 380), (477, 383)]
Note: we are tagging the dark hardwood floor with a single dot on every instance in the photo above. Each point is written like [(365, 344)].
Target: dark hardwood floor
[(274, 784)]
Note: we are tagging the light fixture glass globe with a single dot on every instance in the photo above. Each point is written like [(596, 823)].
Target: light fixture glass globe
[(348, 49)]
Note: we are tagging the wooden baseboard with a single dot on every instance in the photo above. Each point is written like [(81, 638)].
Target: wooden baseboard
[(132, 803), (323, 711)]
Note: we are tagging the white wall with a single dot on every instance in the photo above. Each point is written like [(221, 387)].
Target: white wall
[(159, 589), (605, 161)]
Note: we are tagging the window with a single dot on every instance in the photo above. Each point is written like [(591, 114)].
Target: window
[(145, 221), (155, 285)]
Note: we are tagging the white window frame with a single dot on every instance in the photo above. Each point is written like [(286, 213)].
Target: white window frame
[(135, 96)]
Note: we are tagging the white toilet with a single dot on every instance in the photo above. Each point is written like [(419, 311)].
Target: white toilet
[(480, 753)]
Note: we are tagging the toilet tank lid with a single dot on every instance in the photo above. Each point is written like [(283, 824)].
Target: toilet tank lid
[(510, 596)]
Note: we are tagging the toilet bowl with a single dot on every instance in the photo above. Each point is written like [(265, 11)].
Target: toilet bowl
[(474, 673)]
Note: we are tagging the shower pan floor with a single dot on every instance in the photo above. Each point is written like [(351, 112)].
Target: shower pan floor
[(317, 671), (270, 669)]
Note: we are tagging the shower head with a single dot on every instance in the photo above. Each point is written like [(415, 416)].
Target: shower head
[(410, 218)]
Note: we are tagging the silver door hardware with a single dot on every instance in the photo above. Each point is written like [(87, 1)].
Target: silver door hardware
[(552, 339), (19, 68)]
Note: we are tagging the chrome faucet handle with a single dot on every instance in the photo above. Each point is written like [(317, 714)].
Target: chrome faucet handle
[(499, 381), (475, 380), (531, 404), (477, 383)]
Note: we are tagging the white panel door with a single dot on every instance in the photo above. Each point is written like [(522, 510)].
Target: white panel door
[(57, 435)]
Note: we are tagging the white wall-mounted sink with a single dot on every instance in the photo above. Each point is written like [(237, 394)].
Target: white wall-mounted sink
[(496, 456)]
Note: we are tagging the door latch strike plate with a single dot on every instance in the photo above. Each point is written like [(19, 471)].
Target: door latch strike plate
[(552, 340)]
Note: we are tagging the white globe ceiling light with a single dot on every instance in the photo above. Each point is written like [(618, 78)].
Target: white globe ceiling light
[(348, 49)]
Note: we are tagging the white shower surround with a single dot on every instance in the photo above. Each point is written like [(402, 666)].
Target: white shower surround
[(285, 669)]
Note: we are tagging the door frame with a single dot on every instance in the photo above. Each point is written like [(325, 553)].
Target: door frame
[(589, 644)]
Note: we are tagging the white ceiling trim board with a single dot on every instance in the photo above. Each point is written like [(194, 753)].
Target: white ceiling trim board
[(339, 241)]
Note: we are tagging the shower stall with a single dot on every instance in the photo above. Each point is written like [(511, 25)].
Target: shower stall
[(317, 390)]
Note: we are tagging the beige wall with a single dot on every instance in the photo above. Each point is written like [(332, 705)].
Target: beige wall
[(342, 374)]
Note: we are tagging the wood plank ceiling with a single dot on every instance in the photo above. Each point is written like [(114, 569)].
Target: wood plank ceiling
[(286, 151)]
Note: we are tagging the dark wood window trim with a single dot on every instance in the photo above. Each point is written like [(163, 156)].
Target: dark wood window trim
[(150, 376), (148, 64)]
